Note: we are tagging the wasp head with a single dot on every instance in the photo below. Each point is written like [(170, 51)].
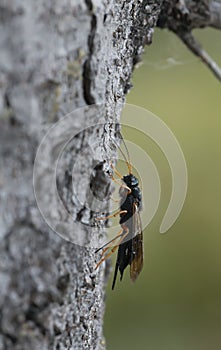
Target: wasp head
[(131, 181)]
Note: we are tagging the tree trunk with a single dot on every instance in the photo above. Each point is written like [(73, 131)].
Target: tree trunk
[(58, 59)]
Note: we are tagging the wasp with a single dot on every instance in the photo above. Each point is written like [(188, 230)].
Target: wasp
[(129, 239)]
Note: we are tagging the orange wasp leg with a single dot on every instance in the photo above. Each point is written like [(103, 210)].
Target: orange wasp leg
[(115, 200), (114, 248), (116, 171), (107, 245), (121, 185), (119, 212), (121, 177)]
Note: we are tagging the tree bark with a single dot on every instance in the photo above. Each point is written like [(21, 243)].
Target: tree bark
[(55, 58)]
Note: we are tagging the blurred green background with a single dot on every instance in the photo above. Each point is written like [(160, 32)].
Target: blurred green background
[(176, 302)]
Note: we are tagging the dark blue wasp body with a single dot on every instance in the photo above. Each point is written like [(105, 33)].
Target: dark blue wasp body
[(130, 250), (130, 237)]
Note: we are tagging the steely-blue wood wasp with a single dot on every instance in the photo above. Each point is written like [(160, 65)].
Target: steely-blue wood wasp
[(129, 239)]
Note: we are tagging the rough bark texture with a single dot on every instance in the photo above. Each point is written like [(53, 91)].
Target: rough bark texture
[(57, 56)]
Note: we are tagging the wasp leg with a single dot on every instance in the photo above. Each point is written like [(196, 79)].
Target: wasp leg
[(106, 246), (119, 212), (113, 249), (121, 185), (120, 176), (115, 200), (116, 171)]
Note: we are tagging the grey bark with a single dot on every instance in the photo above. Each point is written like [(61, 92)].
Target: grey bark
[(54, 58), (57, 57)]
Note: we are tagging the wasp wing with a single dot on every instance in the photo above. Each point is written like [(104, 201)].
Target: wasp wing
[(137, 245)]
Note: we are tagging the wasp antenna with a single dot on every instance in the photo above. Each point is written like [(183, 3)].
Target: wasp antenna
[(127, 159), (129, 168), (128, 155)]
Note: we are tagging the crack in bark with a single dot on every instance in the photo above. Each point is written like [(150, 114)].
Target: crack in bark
[(32, 315), (87, 67)]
